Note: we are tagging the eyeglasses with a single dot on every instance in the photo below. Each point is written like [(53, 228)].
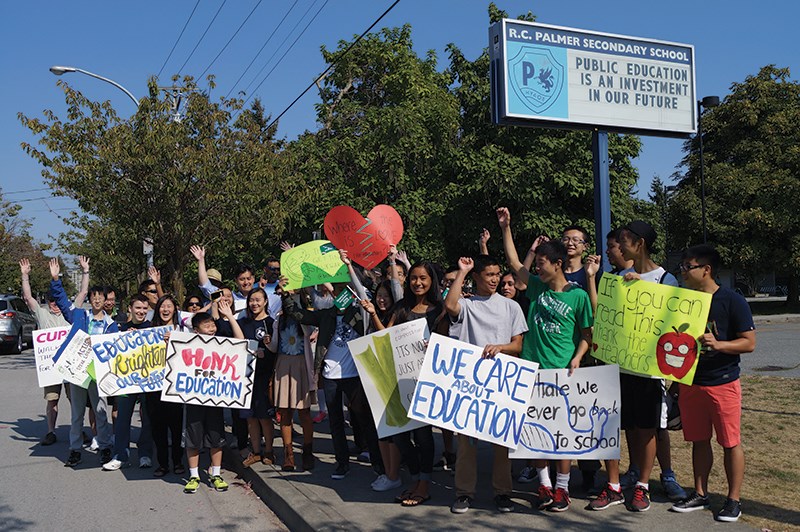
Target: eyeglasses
[(688, 267), (573, 239)]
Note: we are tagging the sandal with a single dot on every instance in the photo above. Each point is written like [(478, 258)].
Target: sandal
[(160, 472), (179, 469), (403, 496), (416, 500)]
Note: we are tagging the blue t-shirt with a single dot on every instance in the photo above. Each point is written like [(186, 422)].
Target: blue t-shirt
[(577, 278), (729, 315)]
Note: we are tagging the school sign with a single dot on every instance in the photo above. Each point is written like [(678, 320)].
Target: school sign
[(544, 75)]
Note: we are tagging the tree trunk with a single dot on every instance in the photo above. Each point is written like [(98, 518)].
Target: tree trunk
[(792, 298)]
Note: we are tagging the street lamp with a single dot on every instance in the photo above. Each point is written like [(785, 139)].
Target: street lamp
[(707, 102), (59, 70)]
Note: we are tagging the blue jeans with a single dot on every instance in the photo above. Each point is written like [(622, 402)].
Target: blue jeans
[(122, 428)]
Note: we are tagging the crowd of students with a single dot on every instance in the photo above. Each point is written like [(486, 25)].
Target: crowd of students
[(540, 308)]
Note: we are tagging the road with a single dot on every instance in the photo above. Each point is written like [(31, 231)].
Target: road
[(38, 493), (776, 351)]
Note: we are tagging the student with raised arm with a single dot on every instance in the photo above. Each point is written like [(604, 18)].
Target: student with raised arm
[(92, 321), (48, 318), (560, 322), (497, 323)]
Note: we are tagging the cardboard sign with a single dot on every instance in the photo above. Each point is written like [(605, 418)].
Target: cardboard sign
[(366, 240), (130, 362), (209, 370), (573, 416), (45, 344), (74, 358), (388, 363), (486, 398), (649, 328), (313, 263)]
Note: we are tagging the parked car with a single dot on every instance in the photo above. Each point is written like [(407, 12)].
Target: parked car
[(16, 324)]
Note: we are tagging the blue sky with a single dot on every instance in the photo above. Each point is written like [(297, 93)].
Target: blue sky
[(129, 41)]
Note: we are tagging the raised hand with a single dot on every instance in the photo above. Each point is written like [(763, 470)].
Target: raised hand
[(154, 274), (224, 307), (465, 264), (198, 252), (541, 239), (84, 262), (285, 246), (592, 265), (25, 267), (344, 257), (503, 217), (484, 236), (55, 269)]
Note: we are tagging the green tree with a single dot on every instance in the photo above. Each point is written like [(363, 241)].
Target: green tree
[(200, 180), (752, 170)]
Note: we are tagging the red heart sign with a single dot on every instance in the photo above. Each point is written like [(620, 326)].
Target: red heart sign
[(366, 240)]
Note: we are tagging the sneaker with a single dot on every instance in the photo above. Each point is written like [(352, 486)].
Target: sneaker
[(606, 499), (384, 483), (560, 501), (192, 485), (378, 480), (545, 497), (641, 499), (691, 503), (105, 456), (446, 463), (73, 460), (461, 504), (340, 472), (674, 490), (527, 475), (504, 503), (218, 483), (320, 417), (730, 511), (49, 439), (94, 445), (115, 464), (251, 459), (145, 462), (363, 456), (629, 479)]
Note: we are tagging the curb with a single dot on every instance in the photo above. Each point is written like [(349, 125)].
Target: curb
[(292, 505)]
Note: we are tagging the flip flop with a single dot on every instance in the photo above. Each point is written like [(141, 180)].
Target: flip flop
[(403, 496), (160, 472), (415, 500)]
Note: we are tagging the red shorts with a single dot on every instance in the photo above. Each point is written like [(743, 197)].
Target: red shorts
[(704, 407)]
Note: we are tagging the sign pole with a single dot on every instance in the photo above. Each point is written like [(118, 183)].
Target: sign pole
[(602, 193)]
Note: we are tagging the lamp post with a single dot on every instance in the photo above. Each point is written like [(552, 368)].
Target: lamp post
[(706, 102), (59, 70)]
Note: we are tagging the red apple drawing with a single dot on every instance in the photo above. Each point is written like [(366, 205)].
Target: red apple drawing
[(676, 352)]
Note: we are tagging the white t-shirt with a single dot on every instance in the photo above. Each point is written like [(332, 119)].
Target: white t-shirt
[(339, 363), (48, 320), (489, 320), (659, 276)]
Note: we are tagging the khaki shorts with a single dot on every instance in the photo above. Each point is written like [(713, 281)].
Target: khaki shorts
[(52, 393)]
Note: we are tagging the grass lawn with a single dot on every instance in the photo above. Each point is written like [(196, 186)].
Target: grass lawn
[(771, 440)]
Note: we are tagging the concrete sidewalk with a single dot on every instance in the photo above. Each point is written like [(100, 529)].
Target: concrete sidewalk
[(313, 501)]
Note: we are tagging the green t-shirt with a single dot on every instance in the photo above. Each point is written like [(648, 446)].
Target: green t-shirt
[(555, 321)]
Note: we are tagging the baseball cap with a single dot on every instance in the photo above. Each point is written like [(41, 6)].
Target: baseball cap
[(643, 230)]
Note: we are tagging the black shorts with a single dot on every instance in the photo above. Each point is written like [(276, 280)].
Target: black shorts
[(204, 427), (643, 402)]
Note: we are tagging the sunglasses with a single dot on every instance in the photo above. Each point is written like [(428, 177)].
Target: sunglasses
[(194, 304), (151, 291)]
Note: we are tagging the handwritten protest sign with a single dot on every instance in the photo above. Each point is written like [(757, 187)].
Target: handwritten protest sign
[(74, 357), (209, 370), (45, 344), (573, 416), (479, 397), (130, 362), (314, 262), (388, 363), (649, 328), (366, 240)]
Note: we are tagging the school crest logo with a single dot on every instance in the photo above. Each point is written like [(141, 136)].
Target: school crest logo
[(536, 77)]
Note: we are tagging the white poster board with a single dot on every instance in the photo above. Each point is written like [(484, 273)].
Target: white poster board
[(129, 362), (461, 391), (209, 370), (388, 363), (573, 417), (45, 345)]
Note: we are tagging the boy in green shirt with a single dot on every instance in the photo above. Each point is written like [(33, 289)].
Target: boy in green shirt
[(560, 333)]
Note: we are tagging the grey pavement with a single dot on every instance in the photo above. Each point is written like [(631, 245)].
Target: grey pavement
[(777, 347), (38, 493)]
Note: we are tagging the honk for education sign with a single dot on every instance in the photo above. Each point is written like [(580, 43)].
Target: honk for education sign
[(649, 328)]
